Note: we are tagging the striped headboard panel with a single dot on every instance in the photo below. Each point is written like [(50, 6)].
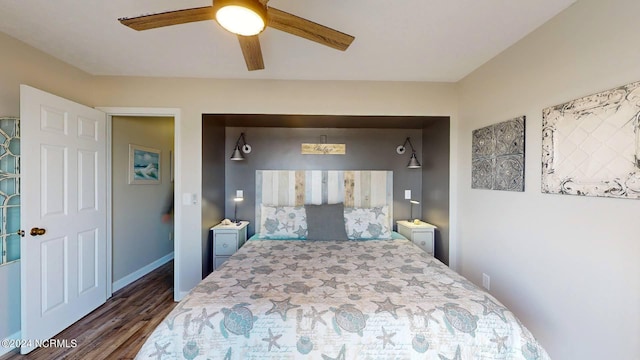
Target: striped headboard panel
[(299, 187)]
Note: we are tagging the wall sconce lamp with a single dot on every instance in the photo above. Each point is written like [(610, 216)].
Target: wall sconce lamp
[(414, 202), (246, 148), (413, 162)]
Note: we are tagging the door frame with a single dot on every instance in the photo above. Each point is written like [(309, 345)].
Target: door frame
[(144, 112)]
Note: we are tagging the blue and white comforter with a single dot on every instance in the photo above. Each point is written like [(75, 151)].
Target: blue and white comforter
[(382, 299)]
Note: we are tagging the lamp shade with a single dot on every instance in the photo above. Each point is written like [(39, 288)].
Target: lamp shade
[(237, 154), (241, 17), (413, 162)]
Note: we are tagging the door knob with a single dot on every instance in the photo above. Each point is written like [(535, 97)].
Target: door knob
[(37, 231)]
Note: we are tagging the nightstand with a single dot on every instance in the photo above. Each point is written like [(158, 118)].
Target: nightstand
[(227, 239), (422, 234)]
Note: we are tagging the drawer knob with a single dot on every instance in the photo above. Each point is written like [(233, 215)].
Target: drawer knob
[(225, 245), (423, 243)]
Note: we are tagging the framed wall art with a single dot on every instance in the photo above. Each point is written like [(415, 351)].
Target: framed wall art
[(498, 156), (144, 165), (591, 145)]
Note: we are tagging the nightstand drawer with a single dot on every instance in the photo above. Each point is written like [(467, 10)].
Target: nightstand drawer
[(226, 243), (424, 239), (227, 239), (219, 260), (420, 233)]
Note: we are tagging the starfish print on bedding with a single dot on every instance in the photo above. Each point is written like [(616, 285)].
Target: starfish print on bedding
[(386, 338), (499, 340), (245, 283), (326, 295), (415, 282), (271, 287), (281, 307), (160, 350), (387, 306), (378, 211), (316, 317), (332, 283), (230, 294), (427, 315), (301, 232), (364, 266), (179, 310), (357, 287), (272, 340), (491, 307), (203, 319)]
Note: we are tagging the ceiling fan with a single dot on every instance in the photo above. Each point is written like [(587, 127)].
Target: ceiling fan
[(246, 19)]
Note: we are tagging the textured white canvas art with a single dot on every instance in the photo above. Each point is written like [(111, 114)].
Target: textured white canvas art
[(591, 145)]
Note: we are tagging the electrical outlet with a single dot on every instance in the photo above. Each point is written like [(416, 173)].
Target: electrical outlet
[(407, 194), (486, 281)]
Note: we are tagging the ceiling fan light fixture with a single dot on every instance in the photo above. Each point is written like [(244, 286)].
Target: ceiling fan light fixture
[(241, 17)]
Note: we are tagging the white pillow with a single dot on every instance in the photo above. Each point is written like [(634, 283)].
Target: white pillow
[(283, 222), (367, 223)]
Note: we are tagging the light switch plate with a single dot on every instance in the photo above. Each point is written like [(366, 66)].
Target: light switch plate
[(407, 194), (240, 193)]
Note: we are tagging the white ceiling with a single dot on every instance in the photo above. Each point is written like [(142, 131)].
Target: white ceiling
[(396, 40)]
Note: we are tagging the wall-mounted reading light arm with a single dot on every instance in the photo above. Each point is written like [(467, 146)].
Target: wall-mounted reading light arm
[(246, 148), (413, 162)]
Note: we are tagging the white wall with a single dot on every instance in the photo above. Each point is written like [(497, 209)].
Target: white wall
[(567, 266), (139, 236)]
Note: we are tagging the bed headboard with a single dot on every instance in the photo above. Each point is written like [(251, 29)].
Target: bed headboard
[(362, 188)]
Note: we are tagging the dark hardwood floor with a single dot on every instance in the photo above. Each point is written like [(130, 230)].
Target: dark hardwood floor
[(117, 329)]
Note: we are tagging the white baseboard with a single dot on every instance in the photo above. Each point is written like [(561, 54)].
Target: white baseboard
[(4, 350), (180, 295), (119, 284)]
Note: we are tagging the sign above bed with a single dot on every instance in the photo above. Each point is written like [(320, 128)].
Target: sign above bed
[(354, 188)]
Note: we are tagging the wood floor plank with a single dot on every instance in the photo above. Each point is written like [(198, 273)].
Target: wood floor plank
[(118, 328)]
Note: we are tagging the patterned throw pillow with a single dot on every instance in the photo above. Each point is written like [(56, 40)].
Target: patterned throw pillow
[(367, 223), (283, 222)]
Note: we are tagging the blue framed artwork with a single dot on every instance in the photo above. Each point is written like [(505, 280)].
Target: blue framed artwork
[(144, 165)]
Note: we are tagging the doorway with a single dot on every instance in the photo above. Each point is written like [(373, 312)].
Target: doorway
[(141, 192), (176, 165)]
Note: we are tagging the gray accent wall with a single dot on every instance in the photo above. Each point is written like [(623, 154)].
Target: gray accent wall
[(435, 183), (280, 149), (213, 188), (370, 141)]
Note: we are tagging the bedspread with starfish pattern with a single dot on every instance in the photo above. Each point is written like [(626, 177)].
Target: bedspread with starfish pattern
[(380, 299)]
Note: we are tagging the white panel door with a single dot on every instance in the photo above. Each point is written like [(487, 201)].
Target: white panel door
[(63, 265)]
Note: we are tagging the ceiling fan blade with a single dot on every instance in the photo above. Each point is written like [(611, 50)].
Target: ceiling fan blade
[(169, 18), (251, 51), (307, 29)]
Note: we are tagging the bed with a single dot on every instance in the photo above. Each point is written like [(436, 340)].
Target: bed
[(287, 295)]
